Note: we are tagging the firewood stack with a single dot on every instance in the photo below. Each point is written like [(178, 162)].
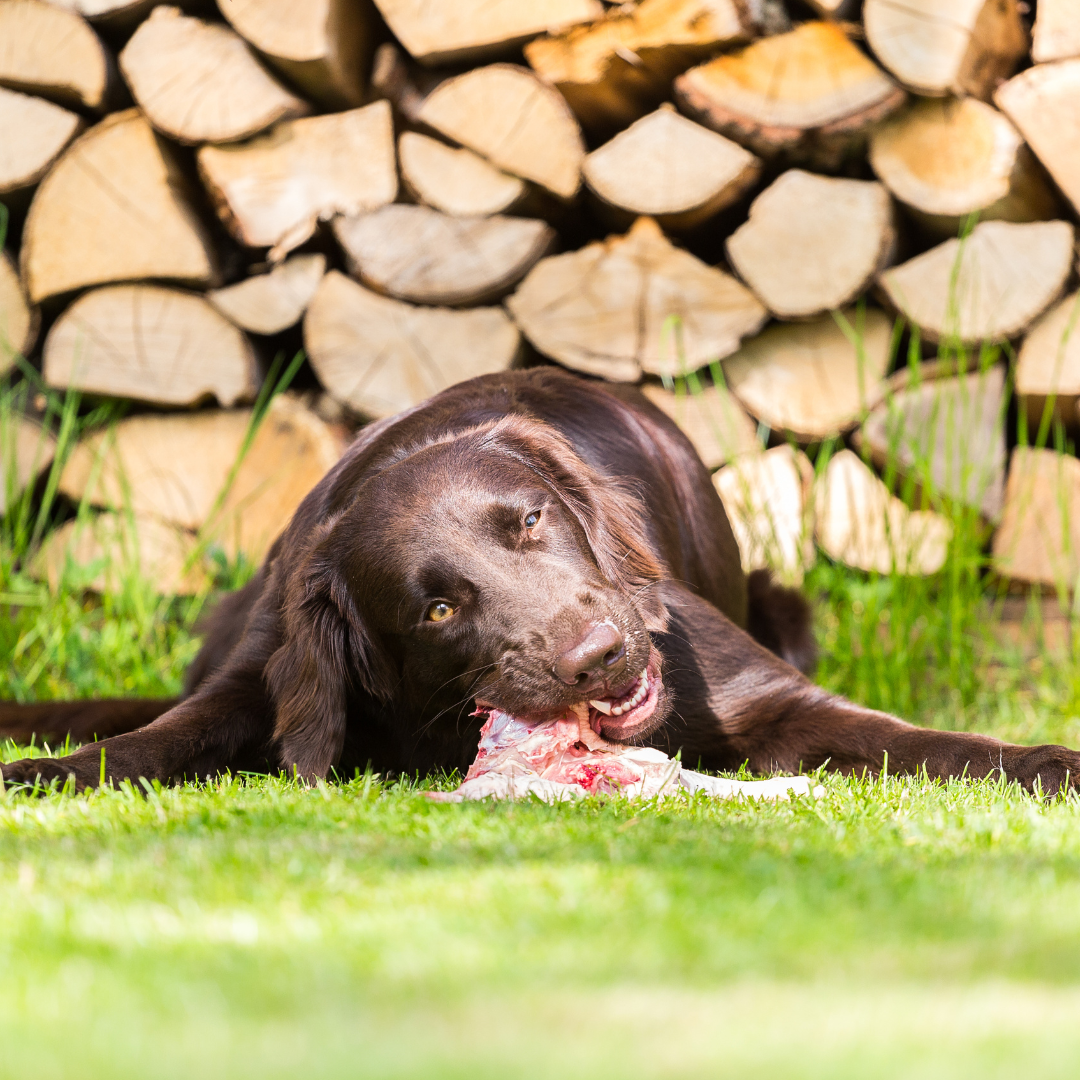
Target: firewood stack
[(753, 211)]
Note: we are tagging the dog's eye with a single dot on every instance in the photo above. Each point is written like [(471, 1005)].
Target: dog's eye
[(438, 611), (532, 519)]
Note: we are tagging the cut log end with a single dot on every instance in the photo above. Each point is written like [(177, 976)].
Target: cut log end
[(711, 418), (33, 133), (270, 303), (18, 320)]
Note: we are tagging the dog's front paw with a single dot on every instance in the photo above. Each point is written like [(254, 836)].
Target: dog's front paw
[(38, 774), (1049, 768)]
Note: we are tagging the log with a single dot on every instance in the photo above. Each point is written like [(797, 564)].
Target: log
[(949, 434), (808, 96), (33, 133), (813, 243), (711, 418), (945, 158), (323, 47), (455, 180), (808, 379), (26, 451), (53, 53), (199, 82), (507, 115), (1038, 541), (618, 68), (113, 208), (18, 320), (418, 254), (379, 356), (1044, 103), (1056, 34), (1049, 363), (270, 303), (989, 287), (671, 169), (175, 467), (835, 9), (273, 191), (467, 31), (767, 500), (939, 47), (633, 303), (116, 18), (859, 523), (152, 344)]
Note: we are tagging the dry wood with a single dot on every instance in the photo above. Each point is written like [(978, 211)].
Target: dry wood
[(379, 356), (18, 320), (835, 9), (620, 67), (990, 287), (808, 378), (470, 30), (26, 451), (809, 95), (455, 180), (671, 169), (711, 419), (946, 46), (48, 51), (767, 500), (199, 82), (633, 303), (273, 191), (321, 46), (949, 434), (1044, 103), (418, 254), (150, 343), (859, 523), (175, 468), (1039, 538), (813, 243), (507, 115), (1056, 35), (116, 17), (270, 303), (1049, 363), (113, 209), (945, 158), (33, 132)]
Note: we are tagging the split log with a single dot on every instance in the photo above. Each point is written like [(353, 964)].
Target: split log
[(767, 500), (618, 68), (199, 82), (116, 18), (633, 303), (1056, 35), (809, 379), (470, 30), (273, 191), (990, 287), (270, 303), (711, 419), (149, 343), (859, 523), (113, 209), (1044, 103), (54, 53), (26, 451), (323, 47), (507, 115), (809, 95), (18, 320), (835, 9), (813, 243), (380, 356), (1049, 363), (175, 468), (945, 158), (949, 434), (671, 169), (33, 133), (418, 254), (946, 46), (455, 180)]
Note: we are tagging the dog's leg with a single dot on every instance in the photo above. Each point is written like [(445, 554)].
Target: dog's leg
[(82, 721)]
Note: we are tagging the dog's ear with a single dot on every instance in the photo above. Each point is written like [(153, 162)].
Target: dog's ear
[(327, 650)]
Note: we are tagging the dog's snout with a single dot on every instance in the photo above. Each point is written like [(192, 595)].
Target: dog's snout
[(596, 653)]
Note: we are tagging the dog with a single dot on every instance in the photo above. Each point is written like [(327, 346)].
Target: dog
[(527, 541)]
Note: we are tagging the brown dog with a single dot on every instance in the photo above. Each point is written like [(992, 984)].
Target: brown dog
[(526, 541)]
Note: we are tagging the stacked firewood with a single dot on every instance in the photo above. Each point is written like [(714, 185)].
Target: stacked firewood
[(769, 216)]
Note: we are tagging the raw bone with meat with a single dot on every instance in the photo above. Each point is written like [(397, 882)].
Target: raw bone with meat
[(564, 759)]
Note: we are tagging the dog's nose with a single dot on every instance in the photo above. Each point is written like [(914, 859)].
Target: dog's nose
[(596, 653)]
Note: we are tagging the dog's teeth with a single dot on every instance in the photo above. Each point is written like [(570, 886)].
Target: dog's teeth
[(617, 711), (601, 706)]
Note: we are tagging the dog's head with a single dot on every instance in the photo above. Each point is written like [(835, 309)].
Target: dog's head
[(494, 567)]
